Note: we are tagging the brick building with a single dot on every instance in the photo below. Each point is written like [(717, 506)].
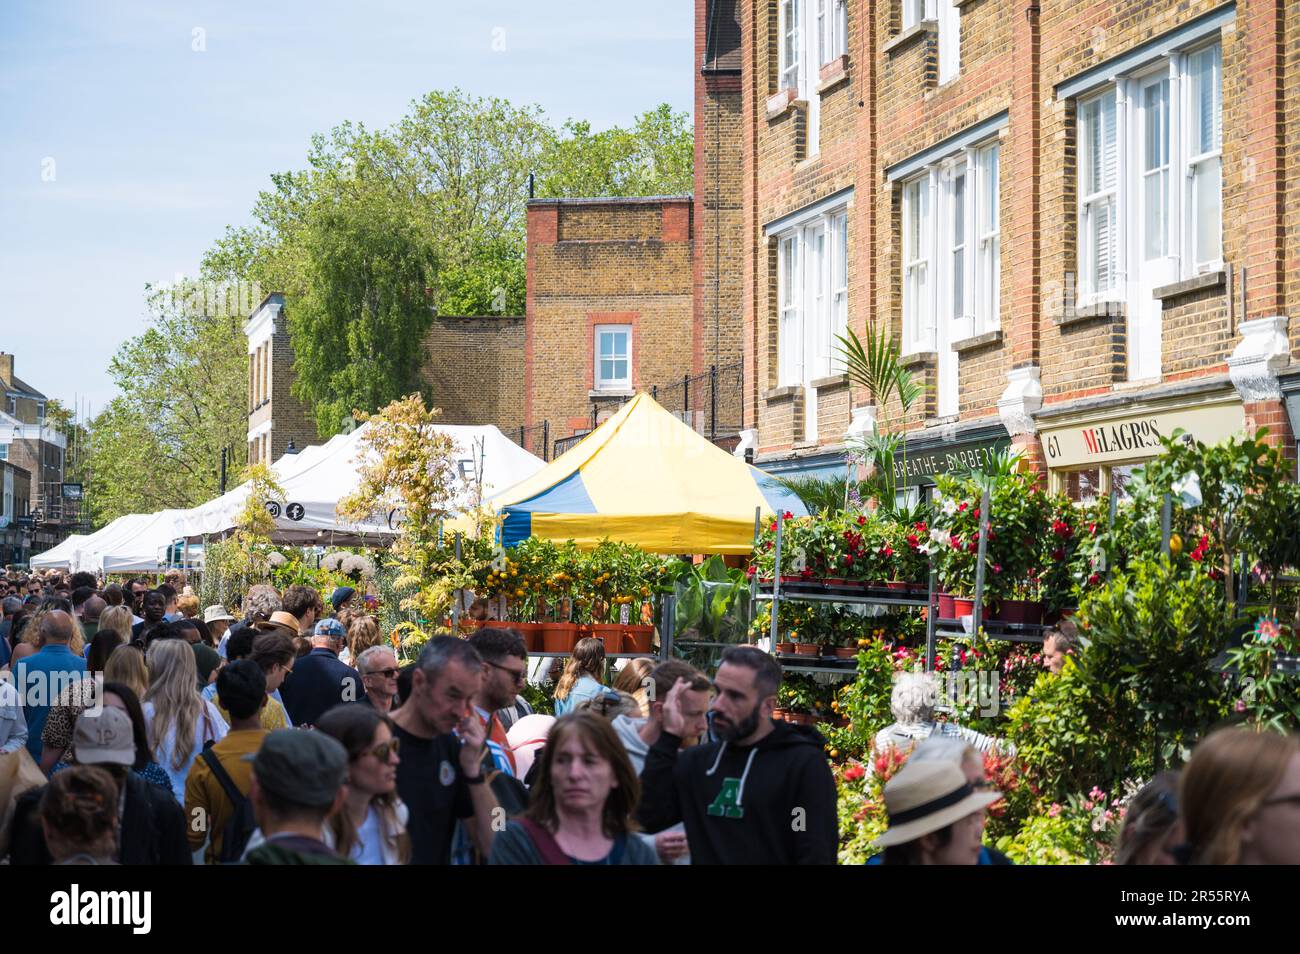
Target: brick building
[(1050, 205), (610, 305), (34, 452), (645, 294), (473, 371), (276, 418)]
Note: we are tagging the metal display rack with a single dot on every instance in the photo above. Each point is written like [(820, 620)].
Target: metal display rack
[(776, 591)]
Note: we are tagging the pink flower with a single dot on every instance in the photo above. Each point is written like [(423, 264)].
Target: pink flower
[(1096, 793), (1239, 705), (1054, 811), (1087, 806)]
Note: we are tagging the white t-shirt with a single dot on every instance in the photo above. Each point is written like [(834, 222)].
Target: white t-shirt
[(369, 849), (209, 726), (13, 724)]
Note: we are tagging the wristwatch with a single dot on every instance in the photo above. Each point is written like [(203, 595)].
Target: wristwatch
[(478, 779)]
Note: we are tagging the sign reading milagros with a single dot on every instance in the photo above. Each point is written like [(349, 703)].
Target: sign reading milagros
[(1136, 436), (922, 466)]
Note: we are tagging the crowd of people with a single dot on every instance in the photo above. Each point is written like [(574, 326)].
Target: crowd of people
[(290, 733)]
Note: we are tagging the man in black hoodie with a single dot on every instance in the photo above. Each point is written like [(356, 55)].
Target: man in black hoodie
[(764, 795)]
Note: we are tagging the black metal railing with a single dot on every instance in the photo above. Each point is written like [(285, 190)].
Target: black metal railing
[(712, 403), (535, 439)]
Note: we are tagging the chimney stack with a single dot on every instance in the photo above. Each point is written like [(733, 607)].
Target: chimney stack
[(6, 370)]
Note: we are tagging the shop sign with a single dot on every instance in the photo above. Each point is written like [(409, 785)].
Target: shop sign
[(1137, 436), (922, 466)]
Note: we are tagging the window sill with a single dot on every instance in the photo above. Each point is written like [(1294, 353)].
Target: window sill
[(781, 103), (610, 394), (964, 3), (830, 382), (833, 73), (908, 36), (1189, 286), (785, 393), (1081, 314), (975, 342), (917, 358)]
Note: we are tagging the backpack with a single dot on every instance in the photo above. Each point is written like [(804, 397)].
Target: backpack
[(239, 828)]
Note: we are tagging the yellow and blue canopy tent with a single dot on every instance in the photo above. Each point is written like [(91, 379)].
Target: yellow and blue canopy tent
[(644, 478)]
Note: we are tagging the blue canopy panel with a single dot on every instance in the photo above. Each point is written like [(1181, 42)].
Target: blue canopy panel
[(778, 496), (568, 496)]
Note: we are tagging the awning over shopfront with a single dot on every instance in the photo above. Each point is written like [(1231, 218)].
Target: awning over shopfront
[(644, 478)]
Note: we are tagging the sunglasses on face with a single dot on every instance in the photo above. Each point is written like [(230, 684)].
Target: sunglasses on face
[(385, 750), (516, 674), (386, 673)]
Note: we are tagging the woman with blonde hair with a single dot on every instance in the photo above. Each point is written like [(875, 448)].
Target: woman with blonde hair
[(1240, 800), (187, 606), (583, 677), (634, 680), (363, 632), (116, 619), (181, 722)]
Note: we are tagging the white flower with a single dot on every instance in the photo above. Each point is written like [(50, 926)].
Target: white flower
[(941, 537), (949, 506)]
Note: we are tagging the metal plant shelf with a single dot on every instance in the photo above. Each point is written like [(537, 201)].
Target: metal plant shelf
[(792, 662), (821, 594), (995, 629), (607, 655)]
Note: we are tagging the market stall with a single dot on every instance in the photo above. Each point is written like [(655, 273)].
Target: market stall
[(58, 557), (644, 478)]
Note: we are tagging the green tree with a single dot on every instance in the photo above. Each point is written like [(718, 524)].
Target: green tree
[(182, 399)]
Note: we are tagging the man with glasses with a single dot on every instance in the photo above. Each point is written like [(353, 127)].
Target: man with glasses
[(378, 668), (505, 669)]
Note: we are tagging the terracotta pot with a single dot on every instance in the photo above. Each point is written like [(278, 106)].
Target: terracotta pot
[(806, 649), (781, 715), (899, 585), (559, 637), (532, 633), (845, 652), (961, 607), (1021, 611), (946, 606), (786, 648), (638, 638), (801, 718), (611, 634)]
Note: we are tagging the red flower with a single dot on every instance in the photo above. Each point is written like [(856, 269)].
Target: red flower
[(751, 571), (997, 567), (773, 527), (1094, 580), (956, 543), (886, 551), (854, 772), (862, 521), (976, 514), (848, 560), (789, 515), (1058, 553), (1092, 529), (962, 506), (973, 546), (1061, 529), (807, 573), (912, 541)]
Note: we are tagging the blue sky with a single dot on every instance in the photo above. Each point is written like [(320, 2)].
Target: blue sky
[(125, 151)]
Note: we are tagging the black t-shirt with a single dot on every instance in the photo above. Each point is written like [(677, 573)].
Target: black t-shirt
[(429, 781)]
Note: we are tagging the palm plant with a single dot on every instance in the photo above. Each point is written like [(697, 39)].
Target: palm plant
[(875, 367)]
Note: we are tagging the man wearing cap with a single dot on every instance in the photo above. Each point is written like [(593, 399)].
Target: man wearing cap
[(936, 817), (297, 783), (151, 825), (341, 597), (320, 680)]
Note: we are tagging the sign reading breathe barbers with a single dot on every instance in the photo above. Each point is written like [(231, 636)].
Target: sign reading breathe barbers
[(923, 465), (1137, 436)]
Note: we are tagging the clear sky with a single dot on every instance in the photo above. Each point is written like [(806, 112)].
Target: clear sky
[(124, 150)]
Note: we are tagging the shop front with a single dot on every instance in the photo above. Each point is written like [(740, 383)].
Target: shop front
[(923, 459), (1091, 450)]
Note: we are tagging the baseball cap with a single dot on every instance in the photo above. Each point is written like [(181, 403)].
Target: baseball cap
[(331, 627), (106, 736), (216, 613), (301, 766), (340, 595)]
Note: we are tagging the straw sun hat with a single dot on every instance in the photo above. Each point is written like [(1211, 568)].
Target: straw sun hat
[(925, 797)]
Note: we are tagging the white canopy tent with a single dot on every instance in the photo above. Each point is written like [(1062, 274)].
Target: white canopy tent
[(136, 543), (315, 480), (58, 557)]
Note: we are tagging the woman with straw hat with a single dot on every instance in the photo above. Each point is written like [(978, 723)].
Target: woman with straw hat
[(936, 817)]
